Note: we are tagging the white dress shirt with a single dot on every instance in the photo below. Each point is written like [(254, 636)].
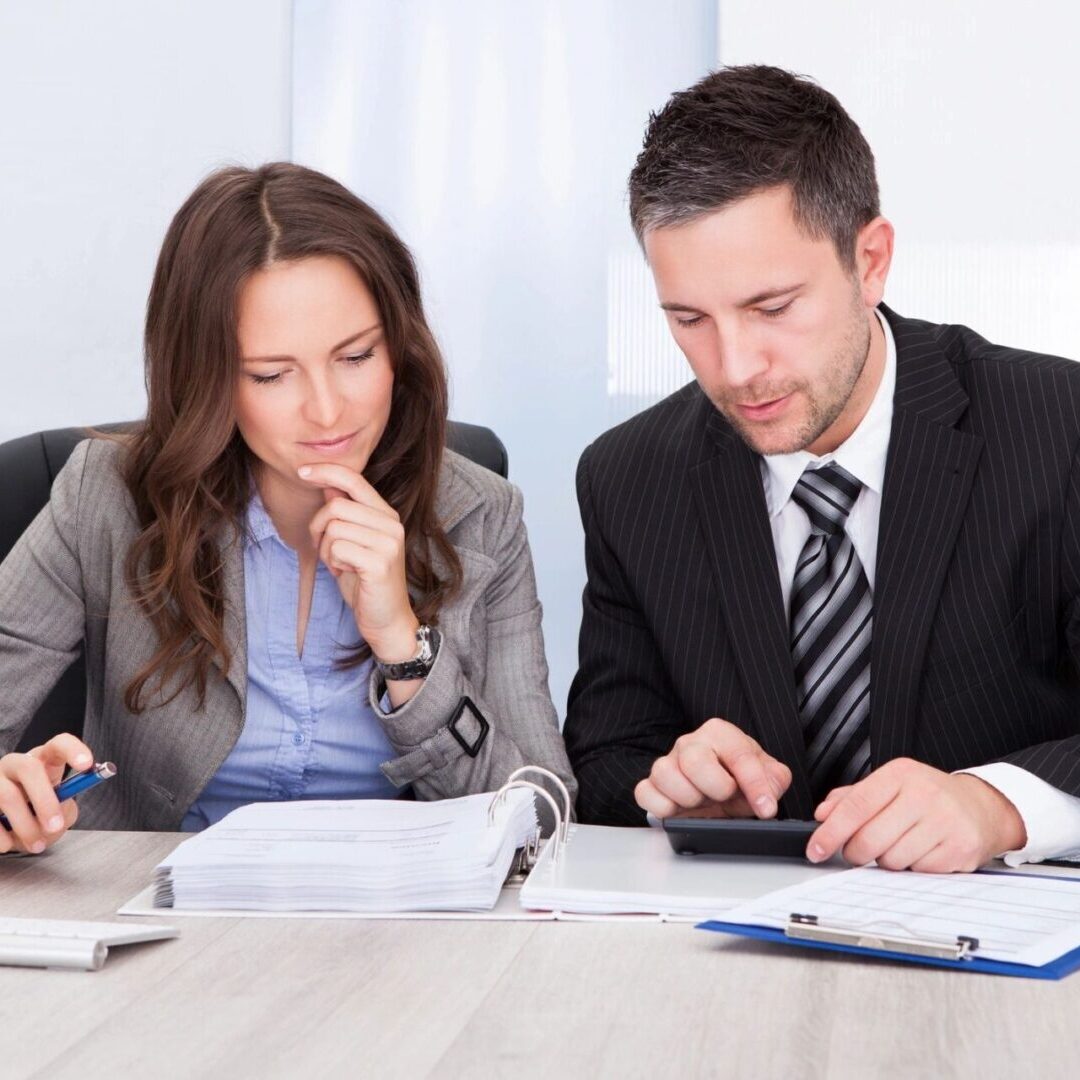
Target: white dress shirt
[(1051, 817)]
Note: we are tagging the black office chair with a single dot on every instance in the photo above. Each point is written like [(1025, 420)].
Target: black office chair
[(28, 466)]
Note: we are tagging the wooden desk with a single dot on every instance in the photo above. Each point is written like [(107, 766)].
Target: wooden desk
[(319, 998)]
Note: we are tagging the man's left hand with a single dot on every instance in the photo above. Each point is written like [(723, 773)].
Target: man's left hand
[(910, 816)]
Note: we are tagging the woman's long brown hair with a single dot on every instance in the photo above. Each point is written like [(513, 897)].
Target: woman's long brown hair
[(187, 467)]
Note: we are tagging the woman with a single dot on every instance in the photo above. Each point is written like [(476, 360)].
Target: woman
[(285, 585)]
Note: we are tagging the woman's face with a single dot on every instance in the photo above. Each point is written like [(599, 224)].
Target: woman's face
[(316, 380)]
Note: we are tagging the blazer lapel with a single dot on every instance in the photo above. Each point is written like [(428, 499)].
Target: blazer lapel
[(735, 527), (928, 476), (455, 497), (232, 556)]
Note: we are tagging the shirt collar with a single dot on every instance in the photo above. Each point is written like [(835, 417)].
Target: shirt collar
[(862, 454), (259, 525)]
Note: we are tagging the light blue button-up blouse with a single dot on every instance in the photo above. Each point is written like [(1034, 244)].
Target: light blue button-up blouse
[(309, 731)]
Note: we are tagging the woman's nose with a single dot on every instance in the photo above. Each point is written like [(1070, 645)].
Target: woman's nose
[(323, 404)]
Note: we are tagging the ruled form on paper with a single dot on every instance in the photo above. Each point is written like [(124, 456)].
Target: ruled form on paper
[(1022, 920)]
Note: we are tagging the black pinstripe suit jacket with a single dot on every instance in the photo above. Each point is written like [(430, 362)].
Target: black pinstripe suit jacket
[(976, 600)]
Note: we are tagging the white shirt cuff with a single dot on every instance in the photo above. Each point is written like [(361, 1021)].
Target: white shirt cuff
[(1051, 816)]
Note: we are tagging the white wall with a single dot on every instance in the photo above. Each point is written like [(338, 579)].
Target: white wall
[(497, 137), (972, 111), (110, 113)]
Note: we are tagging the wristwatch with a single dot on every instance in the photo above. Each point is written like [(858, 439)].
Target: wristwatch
[(427, 642)]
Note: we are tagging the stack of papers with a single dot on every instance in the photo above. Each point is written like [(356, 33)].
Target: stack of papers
[(363, 855)]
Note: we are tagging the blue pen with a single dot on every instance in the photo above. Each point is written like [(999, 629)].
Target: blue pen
[(77, 783)]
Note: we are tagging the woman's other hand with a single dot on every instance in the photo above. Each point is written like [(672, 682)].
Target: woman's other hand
[(36, 819)]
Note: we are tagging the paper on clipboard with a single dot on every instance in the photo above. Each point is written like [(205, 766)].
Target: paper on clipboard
[(1016, 919)]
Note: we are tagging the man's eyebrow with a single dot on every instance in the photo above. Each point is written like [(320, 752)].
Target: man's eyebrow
[(757, 298), (769, 294), (340, 345)]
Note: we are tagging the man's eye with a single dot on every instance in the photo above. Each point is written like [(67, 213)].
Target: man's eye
[(692, 321), (776, 312)]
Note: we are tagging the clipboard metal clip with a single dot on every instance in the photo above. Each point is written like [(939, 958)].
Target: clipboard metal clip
[(807, 928)]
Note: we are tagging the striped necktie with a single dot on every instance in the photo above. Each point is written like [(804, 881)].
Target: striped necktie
[(831, 618)]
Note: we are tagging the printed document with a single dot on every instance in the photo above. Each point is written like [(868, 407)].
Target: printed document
[(1023, 920)]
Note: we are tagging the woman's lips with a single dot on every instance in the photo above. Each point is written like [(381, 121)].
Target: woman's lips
[(331, 446), (766, 411)]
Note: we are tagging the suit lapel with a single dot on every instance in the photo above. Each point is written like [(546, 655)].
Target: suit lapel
[(735, 527), (928, 476)]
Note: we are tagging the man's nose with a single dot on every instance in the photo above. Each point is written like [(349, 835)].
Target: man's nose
[(742, 360)]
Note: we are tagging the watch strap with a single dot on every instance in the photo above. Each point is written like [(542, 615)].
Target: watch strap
[(419, 666)]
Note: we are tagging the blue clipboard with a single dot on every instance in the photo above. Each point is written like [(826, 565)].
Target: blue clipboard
[(1055, 969)]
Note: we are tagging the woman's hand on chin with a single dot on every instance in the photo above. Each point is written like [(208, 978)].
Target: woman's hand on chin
[(360, 538)]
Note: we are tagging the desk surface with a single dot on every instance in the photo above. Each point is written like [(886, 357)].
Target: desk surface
[(290, 997)]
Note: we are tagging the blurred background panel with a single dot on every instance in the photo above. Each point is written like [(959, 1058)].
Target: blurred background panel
[(497, 137)]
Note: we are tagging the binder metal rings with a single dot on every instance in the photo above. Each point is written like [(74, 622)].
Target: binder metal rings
[(548, 775), (558, 837)]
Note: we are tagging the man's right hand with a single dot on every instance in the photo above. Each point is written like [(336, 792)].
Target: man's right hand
[(717, 771), (27, 799)]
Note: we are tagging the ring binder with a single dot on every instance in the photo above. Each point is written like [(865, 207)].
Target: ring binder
[(562, 821), (807, 928), (363, 856)]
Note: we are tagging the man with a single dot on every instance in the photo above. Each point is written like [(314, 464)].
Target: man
[(838, 575)]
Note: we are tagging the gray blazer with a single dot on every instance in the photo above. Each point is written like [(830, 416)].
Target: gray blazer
[(63, 584)]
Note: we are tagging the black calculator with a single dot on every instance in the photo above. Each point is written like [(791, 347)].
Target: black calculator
[(739, 836)]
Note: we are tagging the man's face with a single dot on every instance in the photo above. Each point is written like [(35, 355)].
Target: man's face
[(775, 327)]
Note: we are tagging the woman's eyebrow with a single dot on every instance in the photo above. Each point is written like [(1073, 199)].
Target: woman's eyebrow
[(340, 345), (355, 337)]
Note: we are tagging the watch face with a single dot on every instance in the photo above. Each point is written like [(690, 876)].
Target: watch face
[(424, 636)]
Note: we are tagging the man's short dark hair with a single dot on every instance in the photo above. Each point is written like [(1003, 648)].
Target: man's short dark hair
[(741, 130)]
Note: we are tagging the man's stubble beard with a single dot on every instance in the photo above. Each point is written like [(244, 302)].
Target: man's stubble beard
[(825, 405)]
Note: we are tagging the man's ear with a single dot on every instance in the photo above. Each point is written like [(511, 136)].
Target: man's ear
[(873, 257)]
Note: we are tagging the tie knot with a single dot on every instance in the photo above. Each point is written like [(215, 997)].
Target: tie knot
[(827, 495)]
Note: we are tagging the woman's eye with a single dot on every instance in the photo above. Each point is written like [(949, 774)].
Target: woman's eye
[(359, 358), (264, 380)]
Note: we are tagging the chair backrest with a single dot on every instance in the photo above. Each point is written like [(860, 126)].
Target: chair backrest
[(28, 466)]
